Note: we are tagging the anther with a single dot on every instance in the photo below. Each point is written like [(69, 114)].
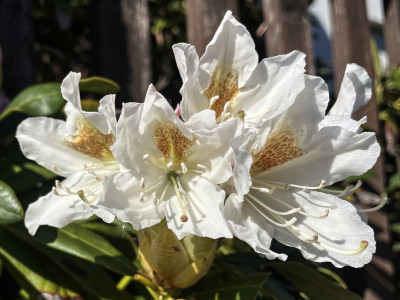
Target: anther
[(212, 101), (241, 114), (184, 168), (324, 214), (202, 167), (55, 169), (54, 190), (314, 238), (141, 197), (142, 182), (184, 218), (145, 157), (154, 197), (170, 164)]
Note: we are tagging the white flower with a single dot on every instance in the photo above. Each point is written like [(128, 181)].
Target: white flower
[(77, 149), (291, 162), (228, 79), (174, 169)]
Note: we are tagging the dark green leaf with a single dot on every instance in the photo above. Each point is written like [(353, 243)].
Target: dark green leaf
[(10, 209), (56, 270), (311, 282), (84, 243), (38, 100), (394, 183), (395, 227), (242, 288), (100, 85)]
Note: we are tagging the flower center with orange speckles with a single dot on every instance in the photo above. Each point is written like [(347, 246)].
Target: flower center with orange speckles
[(172, 143), (279, 148), (224, 84), (91, 141)]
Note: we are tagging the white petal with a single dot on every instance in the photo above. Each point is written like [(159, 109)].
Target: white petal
[(231, 47), (334, 154), (121, 198), (342, 229), (70, 89), (107, 110), (58, 211), (249, 226), (43, 140), (355, 91), (187, 61), (271, 88), (204, 210)]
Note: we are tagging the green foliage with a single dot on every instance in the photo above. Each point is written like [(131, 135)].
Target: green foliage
[(38, 100), (10, 209), (100, 85)]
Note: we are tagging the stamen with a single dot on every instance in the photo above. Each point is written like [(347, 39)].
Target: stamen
[(154, 197), (91, 172), (283, 213), (349, 190), (241, 114), (180, 201), (81, 195), (285, 224), (145, 157), (322, 185), (379, 206), (170, 164), (55, 169), (54, 190), (202, 167), (184, 218), (264, 190), (142, 182), (363, 246), (212, 101), (141, 197), (184, 168), (164, 192), (314, 238)]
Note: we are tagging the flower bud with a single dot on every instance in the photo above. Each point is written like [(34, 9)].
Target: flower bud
[(173, 263)]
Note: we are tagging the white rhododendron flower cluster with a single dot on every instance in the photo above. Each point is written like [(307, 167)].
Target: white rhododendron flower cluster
[(250, 155)]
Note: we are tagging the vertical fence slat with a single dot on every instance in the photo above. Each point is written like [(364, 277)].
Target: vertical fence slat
[(391, 30), (288, 28), (203, 18), (351, 44), (135, 15)]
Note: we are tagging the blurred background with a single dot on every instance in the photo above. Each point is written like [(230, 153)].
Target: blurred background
[(130, 42)]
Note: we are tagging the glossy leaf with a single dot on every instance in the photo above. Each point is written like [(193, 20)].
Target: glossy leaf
[(41, 268), (10, 209), (84, 243), (100, 85), (242, 288), (309, 281), (38, 100)]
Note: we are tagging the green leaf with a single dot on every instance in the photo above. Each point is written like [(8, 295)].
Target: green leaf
[(38, 100), (100, 85), (394, 183), (10, 209), (243, 288), (395, 227), (36, 266), (311, 282), (84, 243)]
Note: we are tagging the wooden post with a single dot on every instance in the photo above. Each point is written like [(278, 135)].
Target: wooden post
[(391, 30), (203, 18), (135, 15), (121, 45), (351, 43), (288, 29)]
